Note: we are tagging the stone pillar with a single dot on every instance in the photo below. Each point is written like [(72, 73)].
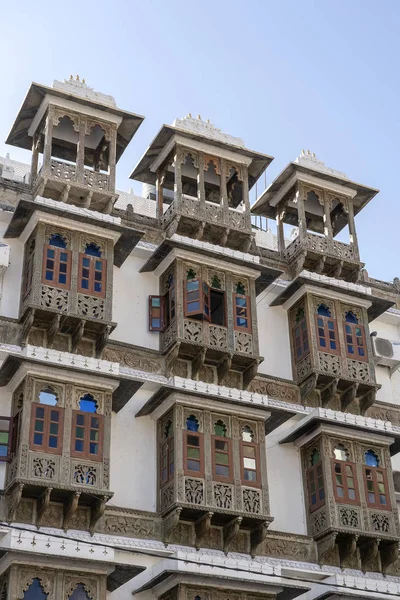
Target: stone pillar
[(327, 219), (352, 230), (201, 193), (246, 199), (177, 180), (80, 155), (224, 193), (280, 231), (159, 194), (48, 139), (112, 160), (301, 215), (35, 156)]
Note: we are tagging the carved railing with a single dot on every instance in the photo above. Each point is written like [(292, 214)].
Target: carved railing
[(68, 173), (321, 245)]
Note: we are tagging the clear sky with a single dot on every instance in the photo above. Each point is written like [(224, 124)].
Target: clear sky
[(284, 75)]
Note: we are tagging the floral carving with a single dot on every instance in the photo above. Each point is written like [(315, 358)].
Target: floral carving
[(251, 501), (218, 336), (63, 171), (223, 495), (192, 331), (54, 298), (85, 475), (170, 335), (44, 468), (380, 522), (237, 219), (319, 521), (194, 491), (190, 206), (304, 367), (329, 363), (129, 525), (92, 179), (89, 306), (358, 370), (348, 517), (213, 212), (167, 496), (243, 342)]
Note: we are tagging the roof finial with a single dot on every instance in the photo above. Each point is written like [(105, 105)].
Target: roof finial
[(77, 77), (83, 81), (199, 117), (190, 115), (71, 77)]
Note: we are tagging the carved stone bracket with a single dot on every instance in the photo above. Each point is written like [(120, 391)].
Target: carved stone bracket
[(200, 231), (13, 502), (319, 267), (65, 194), (102, 340), (198, 362), (171, 359), (230, 532), (325, 546), (257, 537), (249, 374), (347, 548), (96, 512), (27, 326), (366, 401), (337, 271), (389, 554), (42, 505), (308, 387), (53, 329), (170, 524), (369, 554), (77, 335), (347, 397), (224, 237), (202, 528), (70, 508), (223, 368), (328, 392)]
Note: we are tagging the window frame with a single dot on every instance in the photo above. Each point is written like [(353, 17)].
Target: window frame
[(223, 294), (302, 338), (166, 443), (327, 349), (202, 293), (217, 477), (56, 271), (246, 482), (85, 453), (153, 309), (46, 428), (377, 504), (354, 338), (314, 470), (90, 291), (10, 442), (249, 328), (199, 474), (345, 499), (28, 274)]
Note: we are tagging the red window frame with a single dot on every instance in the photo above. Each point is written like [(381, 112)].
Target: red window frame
[(167, 458), (341, 468), (83, 420), (91, 277), (327, 325), (315, 475), (215, 439), (378, 476), (356, 340), (197, 298), (46, 429), (56, 270), (256, 457), (301, 343), (156, 313), (6, 438), (187, 445), (242, 311)]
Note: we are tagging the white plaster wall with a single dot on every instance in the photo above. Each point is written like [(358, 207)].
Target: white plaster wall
[(284, 468), (131, 304), (133, 472), (273, 331), (11, 289), (385, 394)]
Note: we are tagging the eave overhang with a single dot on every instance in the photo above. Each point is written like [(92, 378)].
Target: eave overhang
[(268, 271), (142, 171), (378, 305), (26, 208), (264, 204), (19, 136)]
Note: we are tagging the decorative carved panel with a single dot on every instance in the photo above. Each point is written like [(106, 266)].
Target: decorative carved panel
[(223, 495), (329, 363), (194, 491), (243, 342), (251, 500), (54, 298), (90, 306)]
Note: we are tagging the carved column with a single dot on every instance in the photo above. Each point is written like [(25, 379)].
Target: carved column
[(201, 193), (35, 156), (160, 194), (80, 155), (246, 199), (301, 215), (224, 194), (48, 139), (280, 231), (352, 230), (178, 180), (112, 159)]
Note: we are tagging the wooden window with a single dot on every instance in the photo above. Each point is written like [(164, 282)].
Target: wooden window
[(327, 336), (92, 272), (56, 270), (167, 454), (355, 338), (197, 299), (156, 313), (315, 481), (170, 300), (28, 274), (87, 430), (300, 335), (376, 486), (344, 477), (250, 458), (193, 449), (222, 453), (241, 312), (6, 437), (46, 428)]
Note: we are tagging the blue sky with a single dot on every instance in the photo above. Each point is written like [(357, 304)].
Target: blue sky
[(283, 75)]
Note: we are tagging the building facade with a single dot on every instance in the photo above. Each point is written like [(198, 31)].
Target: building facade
[(192, 407)]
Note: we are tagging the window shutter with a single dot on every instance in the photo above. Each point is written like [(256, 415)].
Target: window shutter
[(206, 301), (242, 313), (6, 425), (193, 298), (156, 313)]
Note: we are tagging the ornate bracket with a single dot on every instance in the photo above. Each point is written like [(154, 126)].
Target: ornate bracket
[(77, 335), (53, 329), (170, 524), (367, 401), (389, 554), (369, 554), (96, 512), (319, 267), (202, 527), (223, 368), (308, 387), (65, 194), (257, 537), (13, 501), (249, 374), (70, 508), (88, 199), (325, 545), (27, 326), (171, 358), (224, 237), (198, 362), (348, 396), (42, 505), (230, 531), (102, 340), (337, 271), (328, 392), (347, 548), (200, 231)]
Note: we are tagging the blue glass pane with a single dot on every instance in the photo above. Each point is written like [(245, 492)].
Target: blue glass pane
[(85, 284), (35, 592), (79, 445), (93, 448), (40, 413), (79, 593), (62, 279), (361, 352), (85, 262), (320, 322), (331, 325), (322, 343), (371, 459), (99, 265), (241, 301), (324, 311), (351, 318), (332, 345), (49, 275), (63, 267), (93, 250), (63, 256), (97, 287), (52, 442), (192, 423), (87, 404), (80, 419), (50, 253), (38, 439), (58, 241)]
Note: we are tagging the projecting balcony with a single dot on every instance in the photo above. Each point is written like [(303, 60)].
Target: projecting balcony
[(324, 255), (209, 221)]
